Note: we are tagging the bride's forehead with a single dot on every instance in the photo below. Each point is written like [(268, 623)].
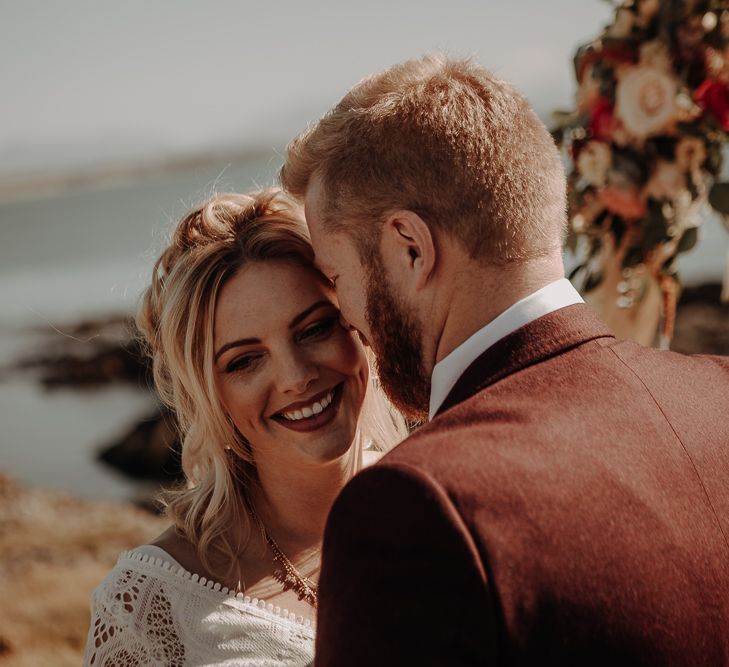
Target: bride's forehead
[(258, 280), (268, 294)]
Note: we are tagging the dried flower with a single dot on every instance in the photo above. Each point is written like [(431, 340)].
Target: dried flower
[(623, 26), (648, 10), (646, 100), (589, 92), (690, 154), (579, 224), (666, 181), (655, 54), (594, 161), (624, 202), (690, 213)]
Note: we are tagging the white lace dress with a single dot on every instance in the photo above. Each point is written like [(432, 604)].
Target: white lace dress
[(151, 611)]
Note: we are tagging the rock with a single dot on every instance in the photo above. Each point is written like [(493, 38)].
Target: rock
[(150, 450), (702, 321), (95, 353), (91, 354)]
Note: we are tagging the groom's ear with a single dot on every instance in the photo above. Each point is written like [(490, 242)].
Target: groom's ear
[(408, 248)]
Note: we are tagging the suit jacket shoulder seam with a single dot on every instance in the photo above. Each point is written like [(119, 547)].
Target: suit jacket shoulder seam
[(680, 442)]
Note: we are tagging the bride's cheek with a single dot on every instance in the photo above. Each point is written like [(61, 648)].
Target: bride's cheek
[(359, 361), (345, 348)]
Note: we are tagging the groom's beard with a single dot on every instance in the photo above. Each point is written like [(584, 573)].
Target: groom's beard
[(395, 338)]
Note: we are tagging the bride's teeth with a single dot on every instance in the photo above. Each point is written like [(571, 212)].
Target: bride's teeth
[(309, 411)]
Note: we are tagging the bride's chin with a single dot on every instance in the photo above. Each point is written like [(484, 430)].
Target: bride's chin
[(341, 444)]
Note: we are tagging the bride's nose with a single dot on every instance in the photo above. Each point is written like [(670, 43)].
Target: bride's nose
[(295, 372)]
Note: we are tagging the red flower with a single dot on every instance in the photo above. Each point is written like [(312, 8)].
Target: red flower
[(603, 123), (625, 203), (713, 96)]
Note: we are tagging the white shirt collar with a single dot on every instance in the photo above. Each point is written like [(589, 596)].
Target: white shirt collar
[(446, 372)]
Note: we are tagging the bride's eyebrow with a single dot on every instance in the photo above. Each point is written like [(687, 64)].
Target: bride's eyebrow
[(304, 314), (254, 341), (235, 343)]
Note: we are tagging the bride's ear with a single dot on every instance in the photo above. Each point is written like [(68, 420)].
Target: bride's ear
[(408, 248)]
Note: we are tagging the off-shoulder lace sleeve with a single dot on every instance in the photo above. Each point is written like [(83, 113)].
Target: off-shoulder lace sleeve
[(151, 611), (132, 623)]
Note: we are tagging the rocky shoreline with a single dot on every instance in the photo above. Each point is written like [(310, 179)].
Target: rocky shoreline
[(98, 353)]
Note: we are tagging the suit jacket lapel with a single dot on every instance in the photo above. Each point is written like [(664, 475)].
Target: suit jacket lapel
[(543, 338)]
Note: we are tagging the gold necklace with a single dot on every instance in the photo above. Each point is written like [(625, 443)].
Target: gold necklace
[(290, 577)]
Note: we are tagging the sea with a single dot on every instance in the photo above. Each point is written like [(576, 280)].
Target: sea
[(85, 251)]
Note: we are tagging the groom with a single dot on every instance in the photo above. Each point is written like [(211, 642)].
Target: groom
[(567, 501)]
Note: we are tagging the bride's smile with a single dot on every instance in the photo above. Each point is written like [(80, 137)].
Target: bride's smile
[(289, 376), (312, 414)]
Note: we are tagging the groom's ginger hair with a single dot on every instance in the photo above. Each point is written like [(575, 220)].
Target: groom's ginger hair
[(446, 139)]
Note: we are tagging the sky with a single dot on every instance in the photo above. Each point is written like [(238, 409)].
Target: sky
[(88, 83)]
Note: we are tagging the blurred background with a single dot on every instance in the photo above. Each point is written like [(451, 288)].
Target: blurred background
[(118, 117), (115, 119)]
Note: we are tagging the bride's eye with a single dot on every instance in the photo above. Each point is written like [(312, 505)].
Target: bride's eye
[(319, 329), (243, 363)]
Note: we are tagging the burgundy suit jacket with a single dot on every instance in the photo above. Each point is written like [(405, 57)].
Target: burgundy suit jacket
[(569, 505)]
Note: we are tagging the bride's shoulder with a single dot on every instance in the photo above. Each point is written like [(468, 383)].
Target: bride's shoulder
[(178, 550), (173, 547)]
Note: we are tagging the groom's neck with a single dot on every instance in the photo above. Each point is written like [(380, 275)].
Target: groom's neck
[(476, 295)]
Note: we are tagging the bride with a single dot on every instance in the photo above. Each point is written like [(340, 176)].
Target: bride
[(276, 410)]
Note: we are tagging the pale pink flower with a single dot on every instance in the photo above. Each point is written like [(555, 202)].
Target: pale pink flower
[(646, 100)]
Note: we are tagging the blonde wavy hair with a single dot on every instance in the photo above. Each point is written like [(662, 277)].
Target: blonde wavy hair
[(176, 320)]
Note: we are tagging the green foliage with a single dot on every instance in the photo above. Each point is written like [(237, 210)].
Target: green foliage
[(719, 197), (688, 240)]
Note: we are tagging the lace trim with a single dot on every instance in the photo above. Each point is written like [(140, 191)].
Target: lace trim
[(210, 585)]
